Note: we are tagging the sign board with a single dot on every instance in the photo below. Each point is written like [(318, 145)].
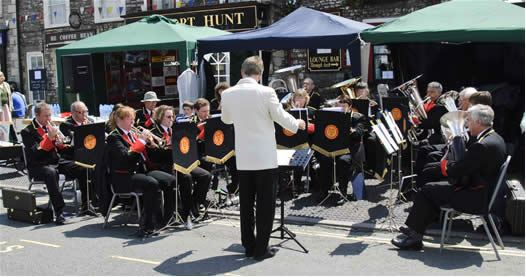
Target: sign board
[(231, 19), (324, 60), (37, 79), (58, 39)]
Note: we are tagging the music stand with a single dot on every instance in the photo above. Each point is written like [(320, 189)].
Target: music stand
[(219, 148), (332, 139), (299, 160), (88, 147), (185, 159)]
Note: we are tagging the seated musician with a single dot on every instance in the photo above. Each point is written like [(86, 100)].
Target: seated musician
[(43, 144), (188, 110), (480, 97), (202, 110), (162, 159), (78, 117), (430, 154), (348, 163), (111, 121), (128, 159), (434, 111), (311, 89), (477, 172), (144, 115), (300, 99), (215, 104)]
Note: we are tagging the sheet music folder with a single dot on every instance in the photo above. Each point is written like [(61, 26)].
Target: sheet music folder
[(294, 159)]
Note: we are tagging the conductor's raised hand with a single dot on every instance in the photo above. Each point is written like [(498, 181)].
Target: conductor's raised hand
[(301, 124)]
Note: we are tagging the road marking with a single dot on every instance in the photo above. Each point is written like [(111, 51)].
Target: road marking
[(40, 243), (3, 242), (485, 250), (136, 260)]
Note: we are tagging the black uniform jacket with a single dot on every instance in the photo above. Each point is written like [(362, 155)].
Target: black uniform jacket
[(433, 122), (355, 139), (124, 159), (315, 99), (161, 158), (142, 118), (479, 171), (40, 150)]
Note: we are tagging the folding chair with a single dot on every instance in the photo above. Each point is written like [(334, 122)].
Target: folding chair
[(448, 213)]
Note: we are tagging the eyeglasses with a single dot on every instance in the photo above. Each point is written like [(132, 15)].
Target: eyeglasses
[(82, 112)]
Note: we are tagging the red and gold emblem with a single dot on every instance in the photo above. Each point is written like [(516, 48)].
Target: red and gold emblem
[(218, 137), (287, 132), (331, 131), (90, 142), (184, 145), (397, 114), (354, 109)]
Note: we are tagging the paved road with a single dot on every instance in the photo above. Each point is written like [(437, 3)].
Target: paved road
[(82, 247)]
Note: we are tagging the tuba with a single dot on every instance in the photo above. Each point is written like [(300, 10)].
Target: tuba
[(289, 82), (347, 86), (448, 100), (416, 106), (453, 129)]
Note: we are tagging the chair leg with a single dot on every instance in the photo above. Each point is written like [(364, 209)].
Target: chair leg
[(495, 231), (444, 224), (109, 211), (450, 225), (490, 237), (138, 208)]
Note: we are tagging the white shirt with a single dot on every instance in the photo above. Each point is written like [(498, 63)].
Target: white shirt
[(253, 108), (188, 87)]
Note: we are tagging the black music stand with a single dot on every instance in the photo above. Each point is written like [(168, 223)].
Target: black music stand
[(88, 147), (300, 159), (331, 139), (185, 159), (288, 140)]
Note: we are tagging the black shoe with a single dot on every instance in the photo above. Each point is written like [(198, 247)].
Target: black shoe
[(321, 196), (60, 220), (271, 252), (407, 243), (341, 201), (405, 230)]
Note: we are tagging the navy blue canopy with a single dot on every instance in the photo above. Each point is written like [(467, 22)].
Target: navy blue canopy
[(304, 28)]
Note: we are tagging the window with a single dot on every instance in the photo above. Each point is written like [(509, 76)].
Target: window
[(109, 10), (165, 4), (383, 66), (221, 64), (56, 13), (35, 60)]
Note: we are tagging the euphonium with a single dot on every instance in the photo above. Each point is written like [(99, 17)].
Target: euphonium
[(448, 100)]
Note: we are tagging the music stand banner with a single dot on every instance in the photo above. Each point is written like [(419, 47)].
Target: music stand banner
[(399, 108), (361, 106), (219, 141), (88, 144), (331, 137), (184, 146), (288, 140)]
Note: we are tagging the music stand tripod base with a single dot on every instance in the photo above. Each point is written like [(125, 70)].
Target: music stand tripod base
[(176, 217), (89, 209)]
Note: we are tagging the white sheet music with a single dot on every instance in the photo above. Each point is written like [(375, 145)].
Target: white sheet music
[(284, 156)]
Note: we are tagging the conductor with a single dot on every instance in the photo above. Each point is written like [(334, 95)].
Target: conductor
[(253, 108)]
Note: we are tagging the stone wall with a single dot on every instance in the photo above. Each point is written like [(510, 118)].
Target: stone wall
[(8, 13)]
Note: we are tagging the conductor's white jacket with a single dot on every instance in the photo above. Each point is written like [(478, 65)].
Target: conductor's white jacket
[(253, 108)]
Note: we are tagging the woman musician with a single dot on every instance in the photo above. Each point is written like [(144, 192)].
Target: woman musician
[(162, 158), (128, 159)]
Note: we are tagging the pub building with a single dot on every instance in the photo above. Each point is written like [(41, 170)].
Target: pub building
[(106, 78)]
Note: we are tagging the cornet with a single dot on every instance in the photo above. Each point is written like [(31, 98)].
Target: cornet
[(61, 138), (158, 142)]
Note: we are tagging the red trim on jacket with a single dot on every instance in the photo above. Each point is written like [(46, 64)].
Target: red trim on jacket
[(443, 167)]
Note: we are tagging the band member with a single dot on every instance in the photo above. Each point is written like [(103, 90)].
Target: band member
[(78, 117), (162, 157), (256, 155), (202, 110), (188, 110), (477, 172), (434, 112), (111, 120), (128, 159), (215, 104), (348, 163), (40, 141), (144, 115), (315, 97), (480, 97), (463, 98)]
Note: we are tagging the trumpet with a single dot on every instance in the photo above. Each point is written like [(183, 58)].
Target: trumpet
[(138, 131), (61, 138)]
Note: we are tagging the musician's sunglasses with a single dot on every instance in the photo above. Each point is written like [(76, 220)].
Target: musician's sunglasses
[(82, 112)]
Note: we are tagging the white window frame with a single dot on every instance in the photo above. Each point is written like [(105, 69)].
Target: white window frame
[(47, 13), (216, 63), (115, 11), (156, 2), (29, 66)]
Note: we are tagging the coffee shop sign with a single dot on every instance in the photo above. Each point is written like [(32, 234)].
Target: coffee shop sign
[(66, 37)]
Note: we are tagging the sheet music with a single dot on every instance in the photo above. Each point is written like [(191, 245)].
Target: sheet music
[(284, 156), (383, 139), (386, 134)]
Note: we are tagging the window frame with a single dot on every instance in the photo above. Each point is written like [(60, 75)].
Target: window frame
[(216, 63), (47, 23), (29, 56)]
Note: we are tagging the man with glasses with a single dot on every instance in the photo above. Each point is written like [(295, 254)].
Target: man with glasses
[(67, 166)]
